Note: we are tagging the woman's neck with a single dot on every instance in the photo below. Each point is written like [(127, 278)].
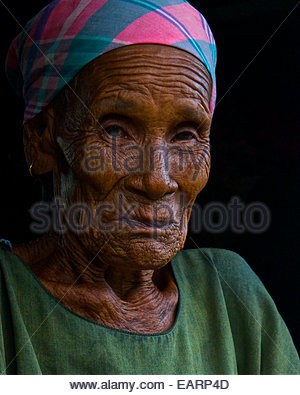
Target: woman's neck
[(142, 301)]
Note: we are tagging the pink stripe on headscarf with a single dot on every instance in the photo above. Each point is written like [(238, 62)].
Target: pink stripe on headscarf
[(190, 17), (154, 28), (58, 18)]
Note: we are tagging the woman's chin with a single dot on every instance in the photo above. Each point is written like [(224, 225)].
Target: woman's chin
[(148, 251)]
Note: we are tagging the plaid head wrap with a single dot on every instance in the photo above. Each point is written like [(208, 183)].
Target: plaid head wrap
[(68, 34)]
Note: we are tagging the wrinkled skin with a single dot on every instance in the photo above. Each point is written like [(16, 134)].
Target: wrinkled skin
[(135, 98)]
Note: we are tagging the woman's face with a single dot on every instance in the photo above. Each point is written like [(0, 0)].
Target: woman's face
[(135, 153)]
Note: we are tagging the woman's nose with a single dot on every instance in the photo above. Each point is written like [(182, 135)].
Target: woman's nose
[(154, 180)]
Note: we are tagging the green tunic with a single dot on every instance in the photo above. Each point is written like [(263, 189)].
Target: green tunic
[(226, 324)]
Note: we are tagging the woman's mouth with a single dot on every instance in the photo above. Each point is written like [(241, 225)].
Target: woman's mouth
[(146, 223)]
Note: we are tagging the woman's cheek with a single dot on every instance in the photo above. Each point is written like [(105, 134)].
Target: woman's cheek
[(100, 168), (193, 172)]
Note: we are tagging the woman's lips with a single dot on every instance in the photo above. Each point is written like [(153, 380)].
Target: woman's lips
[(146, 223), (143, 225)]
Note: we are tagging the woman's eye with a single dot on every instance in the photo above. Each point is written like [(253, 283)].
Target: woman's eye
[(116, 131), (183, 136)]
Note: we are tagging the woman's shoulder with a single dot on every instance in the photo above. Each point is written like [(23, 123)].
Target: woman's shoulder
[(225, 272), (231, 273), (5, 245), (231, 267), (227, 264), (6, 255), (13, 271), (252, 313)]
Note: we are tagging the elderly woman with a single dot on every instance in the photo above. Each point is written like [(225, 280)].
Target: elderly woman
[(119, 97)]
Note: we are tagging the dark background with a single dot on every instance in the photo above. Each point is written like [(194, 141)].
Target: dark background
[(255, 139)]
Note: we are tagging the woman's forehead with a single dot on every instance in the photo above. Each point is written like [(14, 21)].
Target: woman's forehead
[(145, 71), (160, 58)]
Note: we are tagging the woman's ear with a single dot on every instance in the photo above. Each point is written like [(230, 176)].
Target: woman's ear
[(39, 143)]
